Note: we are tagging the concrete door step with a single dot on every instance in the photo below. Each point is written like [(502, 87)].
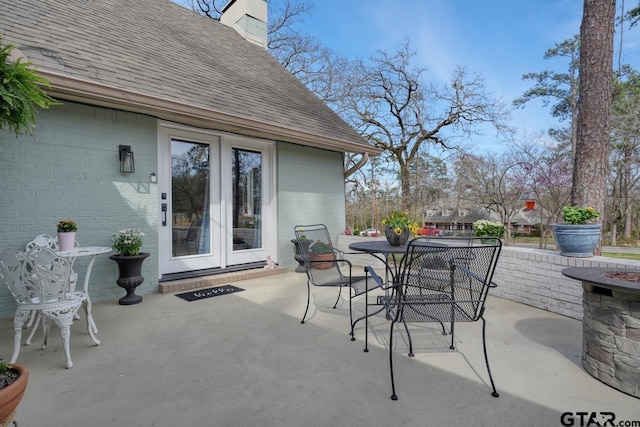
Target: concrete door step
[(217, 279)]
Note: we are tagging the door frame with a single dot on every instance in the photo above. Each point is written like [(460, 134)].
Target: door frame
[(269, 206), (221, 197)]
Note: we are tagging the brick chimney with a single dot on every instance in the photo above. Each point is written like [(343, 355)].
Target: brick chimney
[(249, 18)]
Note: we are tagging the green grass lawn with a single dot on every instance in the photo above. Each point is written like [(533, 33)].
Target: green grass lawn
[(635, 257)]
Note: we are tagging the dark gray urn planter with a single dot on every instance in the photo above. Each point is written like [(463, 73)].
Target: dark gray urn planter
[(130, 278), (396, 239), (576, 240), (299, 245)]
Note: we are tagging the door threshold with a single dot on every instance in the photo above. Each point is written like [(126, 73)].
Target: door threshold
[(211, 271), (220, 278)]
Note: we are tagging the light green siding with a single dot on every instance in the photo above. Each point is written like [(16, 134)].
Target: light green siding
[(310, 191), (70, 169)]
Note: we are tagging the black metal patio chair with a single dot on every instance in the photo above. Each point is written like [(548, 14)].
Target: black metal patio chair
[(446, 286), (326, 266)]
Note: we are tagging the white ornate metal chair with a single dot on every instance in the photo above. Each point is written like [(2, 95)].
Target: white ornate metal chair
[(39, 280), (43, 241), (47, 241)]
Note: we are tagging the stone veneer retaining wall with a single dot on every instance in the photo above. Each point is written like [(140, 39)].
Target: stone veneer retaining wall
[(528, 276)]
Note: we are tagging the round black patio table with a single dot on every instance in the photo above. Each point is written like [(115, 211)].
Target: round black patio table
[(381, 249)]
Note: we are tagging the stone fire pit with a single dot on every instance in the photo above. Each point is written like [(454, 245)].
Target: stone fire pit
[(611, 325)]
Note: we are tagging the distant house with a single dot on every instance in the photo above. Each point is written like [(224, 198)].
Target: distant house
[(462, 218), (457, 219), (230, 150)]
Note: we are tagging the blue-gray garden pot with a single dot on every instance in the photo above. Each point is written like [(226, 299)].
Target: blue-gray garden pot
[(576, 240)]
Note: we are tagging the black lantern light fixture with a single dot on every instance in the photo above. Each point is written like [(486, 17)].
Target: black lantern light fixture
[(127, 164)]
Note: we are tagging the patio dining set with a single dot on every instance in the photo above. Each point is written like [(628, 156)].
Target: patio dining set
[(42, 281), (428, 279)]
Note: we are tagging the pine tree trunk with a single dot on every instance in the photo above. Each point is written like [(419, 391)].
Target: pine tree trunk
[(590, 169)]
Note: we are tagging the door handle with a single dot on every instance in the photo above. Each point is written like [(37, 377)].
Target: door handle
[(164, 214)]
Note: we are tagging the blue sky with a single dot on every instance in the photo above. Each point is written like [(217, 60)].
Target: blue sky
[(498, 39)]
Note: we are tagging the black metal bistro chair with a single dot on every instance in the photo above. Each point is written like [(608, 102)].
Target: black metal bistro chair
[(446, 286), (326, 266)]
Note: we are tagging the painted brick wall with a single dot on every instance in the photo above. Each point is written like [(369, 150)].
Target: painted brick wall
[(70, 169), (310, 191), (534, 277)]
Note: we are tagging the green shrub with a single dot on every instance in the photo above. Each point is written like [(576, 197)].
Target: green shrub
[(485, 228)]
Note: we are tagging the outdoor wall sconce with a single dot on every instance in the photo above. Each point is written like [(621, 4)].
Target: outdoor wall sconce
[(127, 164), (153, 177)]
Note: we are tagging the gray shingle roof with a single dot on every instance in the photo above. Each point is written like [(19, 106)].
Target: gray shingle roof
[(163, 50)]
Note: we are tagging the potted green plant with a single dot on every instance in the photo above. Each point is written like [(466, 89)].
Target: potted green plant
[(13, 383), (67, 234), (578, 236), (321, 251), (398, 227), (21, 92), (486, 228), (127, 244)]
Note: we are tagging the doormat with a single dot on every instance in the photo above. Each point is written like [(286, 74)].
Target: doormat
[(208, 293)]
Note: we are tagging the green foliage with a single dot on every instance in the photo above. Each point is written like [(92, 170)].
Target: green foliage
[(8, 375), (127, 242), (579, 215), (485, 228), (66, 225), (4, 367), (633, 16), (550, 85), (320, 247), (20, 93), (399, 221)]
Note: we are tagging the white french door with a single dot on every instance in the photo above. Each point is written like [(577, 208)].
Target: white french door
[(216, 200), (248, 199)]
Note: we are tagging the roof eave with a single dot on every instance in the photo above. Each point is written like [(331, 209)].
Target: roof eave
[(73, 89)]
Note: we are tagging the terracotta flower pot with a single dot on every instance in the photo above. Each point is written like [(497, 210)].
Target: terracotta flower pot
[(11, 396), (322, 257)]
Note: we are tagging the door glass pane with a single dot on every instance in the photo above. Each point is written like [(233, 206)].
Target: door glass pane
[(247, 199), (190, 198)]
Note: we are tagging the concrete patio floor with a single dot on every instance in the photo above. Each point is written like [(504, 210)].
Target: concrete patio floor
[(244, 359)]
